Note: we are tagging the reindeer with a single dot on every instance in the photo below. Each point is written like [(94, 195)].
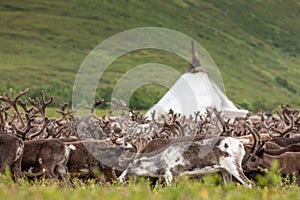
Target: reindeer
[(289, 148), (287, 162), (261, 157), (287, 126), (12, 150), (99, 159), (45, 157), (40, 156), (207, 156)]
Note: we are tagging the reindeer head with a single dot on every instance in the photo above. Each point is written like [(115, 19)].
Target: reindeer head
[(254, 155), (254, 159)]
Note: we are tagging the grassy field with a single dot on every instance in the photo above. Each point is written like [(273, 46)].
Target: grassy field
[(268, 188), (255, 44)]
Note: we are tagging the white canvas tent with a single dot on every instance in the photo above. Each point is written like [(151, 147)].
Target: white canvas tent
[(195, 91)]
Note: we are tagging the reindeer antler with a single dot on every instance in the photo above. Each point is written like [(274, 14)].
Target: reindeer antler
[(256, 137), (257, 144), (290, 127), (95, 104), (22, 133), (197, 114), (13, 102), (24, 106), (64, 113), (41, 105)]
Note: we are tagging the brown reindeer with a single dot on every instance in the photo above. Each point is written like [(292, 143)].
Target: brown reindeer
[(260, 157), (99, 159), (12, 150), (45, 157)]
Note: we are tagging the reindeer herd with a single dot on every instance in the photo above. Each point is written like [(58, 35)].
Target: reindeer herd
[(109, 148)]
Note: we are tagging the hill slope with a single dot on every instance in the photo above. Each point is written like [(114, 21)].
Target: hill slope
[(255, 44)]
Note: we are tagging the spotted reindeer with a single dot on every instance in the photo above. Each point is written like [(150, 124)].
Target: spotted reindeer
[(192, 158)]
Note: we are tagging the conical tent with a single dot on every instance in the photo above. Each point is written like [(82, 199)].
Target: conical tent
[(195, 91)]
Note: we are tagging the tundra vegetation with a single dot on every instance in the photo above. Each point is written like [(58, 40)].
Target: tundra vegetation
[(205, 155)]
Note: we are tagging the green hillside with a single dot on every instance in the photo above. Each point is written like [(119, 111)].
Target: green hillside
[(255, 45)]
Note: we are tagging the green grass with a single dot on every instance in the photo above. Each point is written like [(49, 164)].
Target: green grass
[(182, 188), (254, 43), (269, 187)]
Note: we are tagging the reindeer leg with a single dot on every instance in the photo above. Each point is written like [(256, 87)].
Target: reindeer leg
[(227, 177), (48, 169), (122, 178), (236, 170), (49, 172), (62, 173), (16, 169), (238, 173), (168, 177)]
